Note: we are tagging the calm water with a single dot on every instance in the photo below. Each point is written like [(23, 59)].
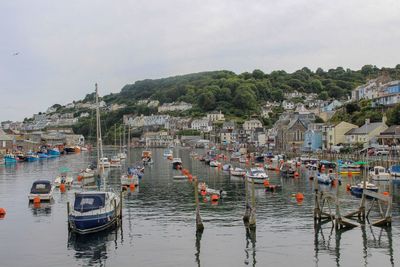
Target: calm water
[(159, 224)]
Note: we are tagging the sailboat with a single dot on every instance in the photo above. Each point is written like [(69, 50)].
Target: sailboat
[(94, 211), (115, 161), (122, 154)]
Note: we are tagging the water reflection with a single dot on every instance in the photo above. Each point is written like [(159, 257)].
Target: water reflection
[(92, 249), (41, 209), (372, 238), (250, 238), (199, 234)]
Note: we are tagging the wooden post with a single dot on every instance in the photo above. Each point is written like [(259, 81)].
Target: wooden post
[(252, 221), (246, 215), (199, 223), (68, 212)]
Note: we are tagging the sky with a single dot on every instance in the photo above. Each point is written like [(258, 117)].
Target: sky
[(55, 51)]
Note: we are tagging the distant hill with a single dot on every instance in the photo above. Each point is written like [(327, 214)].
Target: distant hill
[(238, 95)]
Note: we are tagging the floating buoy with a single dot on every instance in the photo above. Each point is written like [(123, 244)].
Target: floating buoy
[(266, 183), (299, 197), (2, 212), (36, 200), (80, 178), (190, 177), (296, 174), (385, 193), (348, 186), (62, 188), (349, 174), (132, 187), (214, 197), (203, 192)]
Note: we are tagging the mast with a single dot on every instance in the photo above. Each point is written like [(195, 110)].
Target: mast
[(98, 133)]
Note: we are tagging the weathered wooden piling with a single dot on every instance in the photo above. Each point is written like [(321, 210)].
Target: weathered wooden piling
[(199, 223), (252, 221), (246, 215)]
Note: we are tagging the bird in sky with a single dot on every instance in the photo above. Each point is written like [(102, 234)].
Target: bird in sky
[(16, 54)]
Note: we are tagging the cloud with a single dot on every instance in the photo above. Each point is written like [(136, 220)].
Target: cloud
[(67, 46)]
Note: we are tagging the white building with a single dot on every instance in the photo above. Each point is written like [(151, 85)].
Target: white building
[(153, 103), (251, 125), (215, 116), (287, 105), (178, 106), (203, 125)]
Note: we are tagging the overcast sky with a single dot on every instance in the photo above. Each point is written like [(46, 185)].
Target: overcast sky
[(64, 47)]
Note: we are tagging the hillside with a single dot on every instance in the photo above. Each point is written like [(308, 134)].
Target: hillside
[(236, 95)]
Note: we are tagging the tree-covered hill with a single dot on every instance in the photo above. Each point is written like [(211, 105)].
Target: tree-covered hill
[(237, 95)]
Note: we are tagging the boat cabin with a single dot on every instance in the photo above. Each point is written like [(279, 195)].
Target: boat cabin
[(41, 187), (85, 202)]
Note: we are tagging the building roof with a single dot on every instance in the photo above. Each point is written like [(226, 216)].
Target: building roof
[(392, 130), (366, 128)]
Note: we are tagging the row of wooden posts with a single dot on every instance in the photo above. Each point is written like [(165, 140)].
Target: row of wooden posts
[(249, 217)]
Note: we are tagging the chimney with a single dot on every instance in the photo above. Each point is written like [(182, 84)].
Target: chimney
[(367, 121)]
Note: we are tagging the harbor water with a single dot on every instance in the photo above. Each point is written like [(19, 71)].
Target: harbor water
[(158, 226)]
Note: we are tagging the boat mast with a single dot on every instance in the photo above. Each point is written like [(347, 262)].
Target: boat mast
[(98, 132)]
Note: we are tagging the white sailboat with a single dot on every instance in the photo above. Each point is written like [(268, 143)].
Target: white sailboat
[(95, 211)]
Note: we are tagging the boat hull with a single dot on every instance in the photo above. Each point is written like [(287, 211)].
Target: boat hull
[(86, 224)]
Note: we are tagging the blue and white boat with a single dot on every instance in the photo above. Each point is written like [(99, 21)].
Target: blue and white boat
[(394, 170), (357, 190), (94, 211), (30, 157), (53, 152), (168, 153), (257, 175), (10, 159)]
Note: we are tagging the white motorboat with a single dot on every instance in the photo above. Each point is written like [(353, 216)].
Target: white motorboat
[(128, 179), (214, 163), (63, 179), (379, 174), (176, 163), (104, 162), (168, 153), (205, 190), (257, 175), (238, 172), (42, 189)]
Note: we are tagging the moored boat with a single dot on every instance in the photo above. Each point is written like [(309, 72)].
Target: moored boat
[(378, 173), (257, 175), (10, 159), (94, 211), (394, 170), (357, 190), (176, 163), (42, 189), (104, 162), (238, 172)]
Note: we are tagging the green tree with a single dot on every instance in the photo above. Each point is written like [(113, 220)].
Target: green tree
[(316, 86), (206, 101), (393, 115)]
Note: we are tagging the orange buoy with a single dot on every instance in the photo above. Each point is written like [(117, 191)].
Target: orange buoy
[(299, 197), (2, 212), (266, 183), (385, 193), (132, 187), (36, 200), (62, 188), (203, 192), (348, 186), (296, 174), (214, 197), (349, 174), (80, 178)]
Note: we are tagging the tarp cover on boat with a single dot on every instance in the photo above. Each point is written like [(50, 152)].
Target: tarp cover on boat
[(41, 187), (89, 202)]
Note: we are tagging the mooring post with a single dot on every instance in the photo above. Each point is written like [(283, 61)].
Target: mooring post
[(361, 214), (68, 211), (199, 223), (317, 210), (252, 221), (246, 215)]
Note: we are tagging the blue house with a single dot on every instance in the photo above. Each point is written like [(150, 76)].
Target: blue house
[(332, 106), (312, 141)]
